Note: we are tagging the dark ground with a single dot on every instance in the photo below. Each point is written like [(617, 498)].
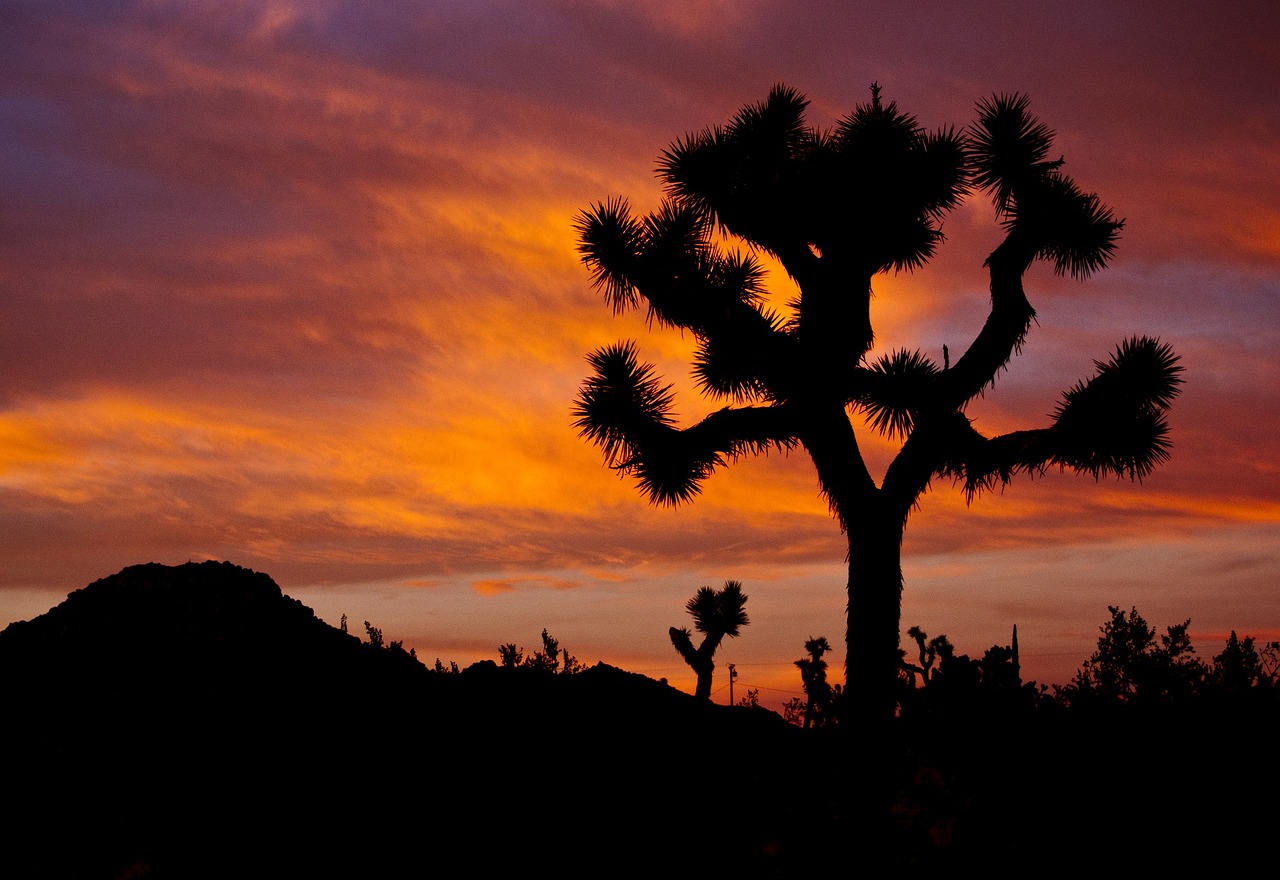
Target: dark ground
[(194, 722)]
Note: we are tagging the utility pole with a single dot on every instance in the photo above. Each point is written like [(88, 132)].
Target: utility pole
[(733, 673)]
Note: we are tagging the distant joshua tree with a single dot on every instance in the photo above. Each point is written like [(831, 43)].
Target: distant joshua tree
[(813, 672), (838, 209), (716, 613), (935, 649)]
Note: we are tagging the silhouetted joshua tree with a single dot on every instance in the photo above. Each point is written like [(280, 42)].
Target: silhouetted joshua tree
[(716, 613), (936, 648), (813, 674), (837, 208)]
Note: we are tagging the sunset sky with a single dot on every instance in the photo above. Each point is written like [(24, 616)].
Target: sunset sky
[(294, 285)]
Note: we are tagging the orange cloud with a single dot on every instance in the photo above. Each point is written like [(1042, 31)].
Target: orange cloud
[(507, 585)]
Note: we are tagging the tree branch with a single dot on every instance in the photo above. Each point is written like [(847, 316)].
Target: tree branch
[(670, 464), (1113, 424), (1004, 331)]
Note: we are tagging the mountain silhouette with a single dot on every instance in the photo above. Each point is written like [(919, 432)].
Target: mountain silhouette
[(155, 626), (195, 721)]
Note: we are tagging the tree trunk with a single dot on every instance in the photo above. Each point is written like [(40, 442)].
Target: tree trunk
[(875, 610), (873, 523), (871, 676), (704, 670)]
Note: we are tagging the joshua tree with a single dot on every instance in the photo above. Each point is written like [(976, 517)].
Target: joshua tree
[(716, 613), (813, 673), (937, 648), (837, 208)]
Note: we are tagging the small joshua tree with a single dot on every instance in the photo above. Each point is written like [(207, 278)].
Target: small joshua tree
[(935, 649), (813, 672), (716, 613)]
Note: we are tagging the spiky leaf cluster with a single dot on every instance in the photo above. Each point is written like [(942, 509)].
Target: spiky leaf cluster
[(671, 471), (719, 612), (626, 411), (623, 404), (901, 386), (1008, 147), (1115, 423), (1051, 217), (870, 193), (667, 259)]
